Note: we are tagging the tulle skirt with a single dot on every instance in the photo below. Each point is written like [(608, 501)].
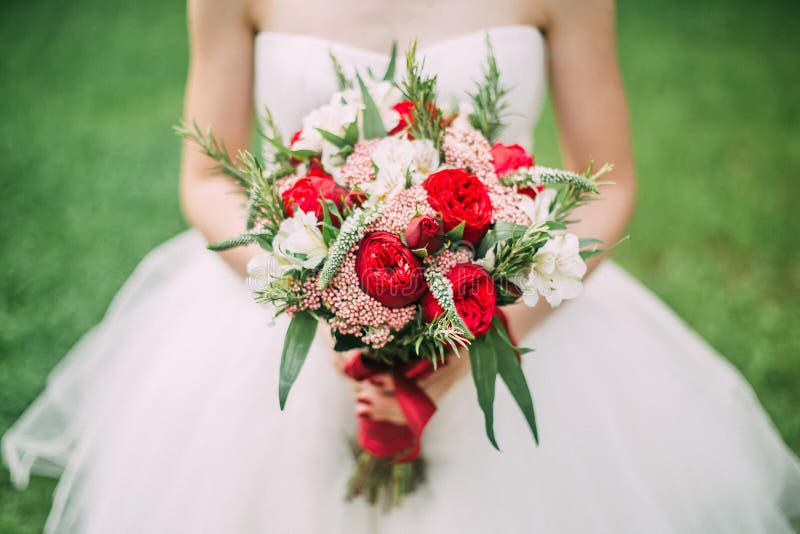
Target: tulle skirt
[(164, 419)]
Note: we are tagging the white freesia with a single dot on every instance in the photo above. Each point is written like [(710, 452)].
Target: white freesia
[(400, 161), (299, 242), (555, 273), (538, 209)]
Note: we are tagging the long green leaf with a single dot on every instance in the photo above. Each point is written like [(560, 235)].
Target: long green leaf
[(483, 357), (510, 370), (298, 341), (389, 76), (373, 125), (338, 142)]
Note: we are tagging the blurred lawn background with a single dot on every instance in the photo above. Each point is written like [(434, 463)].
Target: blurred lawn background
[(89, 165)]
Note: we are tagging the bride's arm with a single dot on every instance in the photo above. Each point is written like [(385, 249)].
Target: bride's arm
[(592, 117), (219, 95)]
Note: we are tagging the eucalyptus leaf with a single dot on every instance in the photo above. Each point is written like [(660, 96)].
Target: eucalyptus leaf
[(296, 345)]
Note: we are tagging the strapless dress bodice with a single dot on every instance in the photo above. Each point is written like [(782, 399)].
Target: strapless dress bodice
[(294, 73)]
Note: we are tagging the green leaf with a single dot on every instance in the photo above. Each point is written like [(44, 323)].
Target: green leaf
[(389, 76), (329, 231), (507, 230), (555, 225), (303, 155), (489, 240), (332, 138), (373, 125), (510, 370), (351, 133), (298, 341), (457, 233), (483, 358), (586, 254), (587, 241), (420, 252)]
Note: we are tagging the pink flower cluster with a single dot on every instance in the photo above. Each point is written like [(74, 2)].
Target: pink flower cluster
[(359, 314), (467, 149), (359, 168)]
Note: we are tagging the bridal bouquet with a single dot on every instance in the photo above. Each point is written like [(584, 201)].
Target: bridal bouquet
[(404, 226)]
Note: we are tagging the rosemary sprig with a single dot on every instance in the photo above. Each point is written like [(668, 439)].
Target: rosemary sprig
[(420, 90), (488, 100)]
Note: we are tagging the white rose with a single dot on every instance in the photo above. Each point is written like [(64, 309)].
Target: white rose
[(538, 209), (299, 242), (555, 273)]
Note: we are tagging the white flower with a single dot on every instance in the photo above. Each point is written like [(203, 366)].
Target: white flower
[(538, 209), (299, 242), (400, 161), (383, 93), (488, 261), (264, 269), (555, 273), (461, 121), (334, 118), (426, 158)]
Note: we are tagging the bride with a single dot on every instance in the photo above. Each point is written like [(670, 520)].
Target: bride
[(164, 418)]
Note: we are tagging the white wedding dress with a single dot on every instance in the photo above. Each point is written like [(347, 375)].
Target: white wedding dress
[(165, 419)]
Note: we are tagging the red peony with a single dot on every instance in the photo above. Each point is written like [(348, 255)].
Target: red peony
[(307, 194), (460, 197), (388, 271), (474, 294), (425, 232), (509, 158)]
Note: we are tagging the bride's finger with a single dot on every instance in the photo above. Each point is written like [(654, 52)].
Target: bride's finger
[(384, 383)]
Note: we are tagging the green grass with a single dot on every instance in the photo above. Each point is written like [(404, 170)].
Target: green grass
[(88, 180)]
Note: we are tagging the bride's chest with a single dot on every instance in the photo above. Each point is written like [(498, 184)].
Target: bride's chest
[(373, 24)]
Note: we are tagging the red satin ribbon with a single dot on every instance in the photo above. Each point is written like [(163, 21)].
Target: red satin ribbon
[(388, 440)]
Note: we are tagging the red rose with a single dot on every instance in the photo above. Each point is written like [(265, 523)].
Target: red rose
[(532, 191), (307, 194), (509, 158), (388, 271), (474, 294), (425, 232), (298, 135), (404, 108), (460, 197)]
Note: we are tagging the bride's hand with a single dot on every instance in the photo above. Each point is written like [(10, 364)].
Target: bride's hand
[(375, 396)]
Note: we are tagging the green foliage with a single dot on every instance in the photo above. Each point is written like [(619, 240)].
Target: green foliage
[(373, 124), (493, 354), (488, 99), (343, 81), (296, 345), (420, 90)]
